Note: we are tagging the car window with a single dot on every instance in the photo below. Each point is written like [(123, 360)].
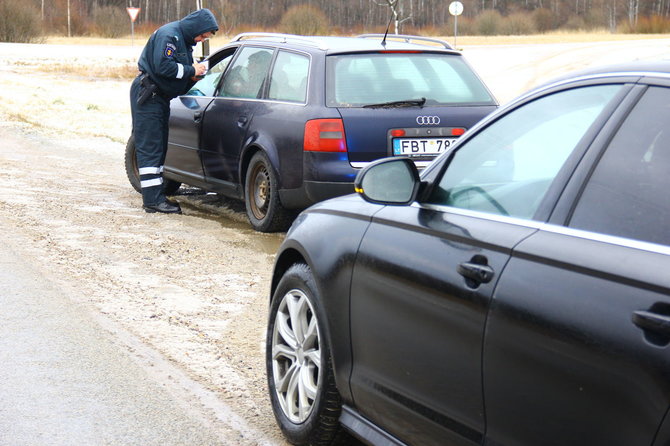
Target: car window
[(507, 168), (628, 194), (288, 81), (246, 75), (207, 85), (355, 80)]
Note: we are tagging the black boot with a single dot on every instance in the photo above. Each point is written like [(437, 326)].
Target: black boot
[(164, 207)]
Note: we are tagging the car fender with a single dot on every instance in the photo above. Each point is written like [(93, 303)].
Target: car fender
[(330, 253)]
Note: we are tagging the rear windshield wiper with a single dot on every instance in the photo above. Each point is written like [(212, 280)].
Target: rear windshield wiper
[(405, 103)]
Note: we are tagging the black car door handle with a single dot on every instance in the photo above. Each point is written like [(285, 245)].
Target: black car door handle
[(655, 322), (197, 117), (475, 271), (242, 121)]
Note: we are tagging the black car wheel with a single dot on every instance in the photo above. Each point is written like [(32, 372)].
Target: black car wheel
[(264, 208), (170, 187), (304, 398)]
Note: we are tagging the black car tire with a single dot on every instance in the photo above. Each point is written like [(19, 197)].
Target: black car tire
[(170, 187), (292, 369), (261, 197)]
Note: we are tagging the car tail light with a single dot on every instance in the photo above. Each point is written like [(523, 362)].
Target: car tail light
[(325, 135), (398, 133), (457, 131)]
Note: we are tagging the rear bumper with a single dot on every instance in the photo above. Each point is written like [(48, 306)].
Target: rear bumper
[(312, 192)]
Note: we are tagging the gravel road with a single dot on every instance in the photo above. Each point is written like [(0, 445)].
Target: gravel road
[(192, 287)]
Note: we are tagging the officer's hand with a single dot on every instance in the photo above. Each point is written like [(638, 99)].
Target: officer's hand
[(200, 69)]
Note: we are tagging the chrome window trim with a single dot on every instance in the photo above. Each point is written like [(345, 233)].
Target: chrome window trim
[(555, 229), (609, 239), (481, 215)]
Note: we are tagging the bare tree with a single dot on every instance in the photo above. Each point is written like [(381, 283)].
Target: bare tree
[(397, 10), (633, 11)]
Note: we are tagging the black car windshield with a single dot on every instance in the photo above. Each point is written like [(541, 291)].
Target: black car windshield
[(357, 80)]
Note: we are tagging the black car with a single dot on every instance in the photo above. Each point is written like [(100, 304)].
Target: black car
[(284, 121), (516, 292)]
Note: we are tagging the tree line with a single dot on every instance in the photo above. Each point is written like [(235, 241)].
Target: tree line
[(349, 16)]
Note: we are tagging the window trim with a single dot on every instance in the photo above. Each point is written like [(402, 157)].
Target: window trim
[(309, 76), (550, 227)]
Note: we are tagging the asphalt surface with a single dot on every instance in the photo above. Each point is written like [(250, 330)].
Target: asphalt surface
[(66, 380)]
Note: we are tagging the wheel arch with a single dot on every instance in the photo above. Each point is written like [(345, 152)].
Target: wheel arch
[(253, 147)]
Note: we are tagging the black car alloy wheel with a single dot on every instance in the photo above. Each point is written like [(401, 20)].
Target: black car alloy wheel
[(304, 398)]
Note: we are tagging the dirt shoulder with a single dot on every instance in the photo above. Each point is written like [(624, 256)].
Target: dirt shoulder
[(193, 287)]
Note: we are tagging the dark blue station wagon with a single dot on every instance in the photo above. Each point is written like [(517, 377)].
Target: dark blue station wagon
[(284, 121)]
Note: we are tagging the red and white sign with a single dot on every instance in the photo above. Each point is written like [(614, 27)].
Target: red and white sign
[(132, 12)]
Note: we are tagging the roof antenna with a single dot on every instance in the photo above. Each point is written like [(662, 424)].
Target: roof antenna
[(386, 33)]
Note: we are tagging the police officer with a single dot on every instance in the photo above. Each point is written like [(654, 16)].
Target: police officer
[(166, 71)]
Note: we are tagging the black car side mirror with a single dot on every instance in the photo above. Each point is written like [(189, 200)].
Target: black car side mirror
[(389, 181)]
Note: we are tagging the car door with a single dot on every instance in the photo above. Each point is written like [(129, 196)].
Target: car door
[(577, 342), (425, 273), (186, 113), (224, 127)]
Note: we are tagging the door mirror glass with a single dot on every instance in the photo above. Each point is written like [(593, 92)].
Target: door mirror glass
[(389, 181)]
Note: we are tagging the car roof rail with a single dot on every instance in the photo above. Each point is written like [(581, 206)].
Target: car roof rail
[(283, 38), (409, 39)]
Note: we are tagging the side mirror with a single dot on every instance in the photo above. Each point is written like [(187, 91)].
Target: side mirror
[(389, 181)]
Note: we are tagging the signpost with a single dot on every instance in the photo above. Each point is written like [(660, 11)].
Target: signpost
[(204, 46), (455, 9), (132, 12)]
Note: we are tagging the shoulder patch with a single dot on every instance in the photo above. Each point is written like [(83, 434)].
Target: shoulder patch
[(170, 49)]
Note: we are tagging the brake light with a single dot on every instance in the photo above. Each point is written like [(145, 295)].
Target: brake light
[(324, 135), (397, 133), (399, 52), (457, 131)]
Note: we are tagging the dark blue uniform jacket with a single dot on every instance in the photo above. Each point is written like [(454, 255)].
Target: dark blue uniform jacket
[(168, 55)]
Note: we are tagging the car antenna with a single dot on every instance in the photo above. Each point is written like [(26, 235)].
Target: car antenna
[(386, 33)]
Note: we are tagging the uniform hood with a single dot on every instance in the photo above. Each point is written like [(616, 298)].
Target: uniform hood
[(196, 23)]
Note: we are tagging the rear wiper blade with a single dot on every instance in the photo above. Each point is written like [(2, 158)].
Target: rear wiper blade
[(405, 103)]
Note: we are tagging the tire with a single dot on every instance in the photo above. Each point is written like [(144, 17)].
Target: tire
[(261, 197), (170, 187), (301, 383)]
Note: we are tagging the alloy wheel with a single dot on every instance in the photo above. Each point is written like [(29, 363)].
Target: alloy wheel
[(296, 356)]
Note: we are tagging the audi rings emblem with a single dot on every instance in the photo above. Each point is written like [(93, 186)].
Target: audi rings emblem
[(428, 120)]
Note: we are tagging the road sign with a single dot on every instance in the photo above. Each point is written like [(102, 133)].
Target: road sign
[(132, 12), (456, 8)]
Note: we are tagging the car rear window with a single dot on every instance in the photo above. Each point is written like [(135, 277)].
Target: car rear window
[(355, 80)]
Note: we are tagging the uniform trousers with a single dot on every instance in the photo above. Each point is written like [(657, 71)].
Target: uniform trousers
[(150, 129)]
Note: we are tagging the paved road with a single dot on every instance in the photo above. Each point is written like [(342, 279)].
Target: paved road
[(66, 380)]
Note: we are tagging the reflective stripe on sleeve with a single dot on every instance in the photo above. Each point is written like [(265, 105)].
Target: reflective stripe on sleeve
[(150, 170), (151, 183), (180, 71)]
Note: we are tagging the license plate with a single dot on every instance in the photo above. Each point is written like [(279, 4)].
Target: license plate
[(421, 146)]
